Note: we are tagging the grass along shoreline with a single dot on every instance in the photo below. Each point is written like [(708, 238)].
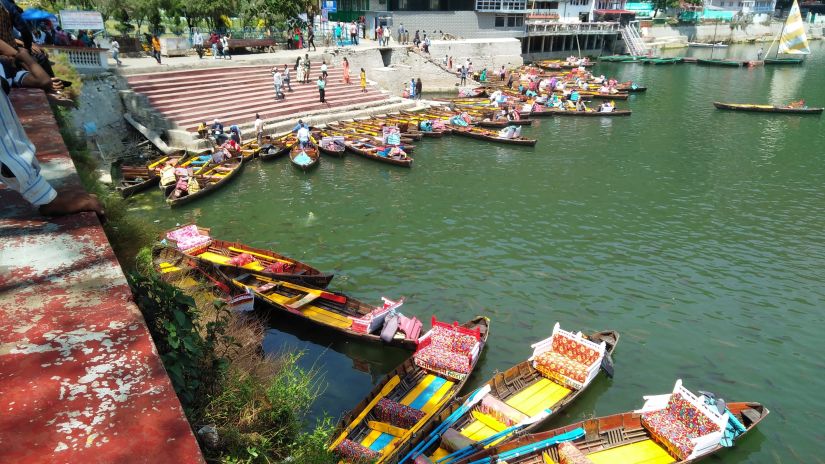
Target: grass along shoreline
[(245, 406)]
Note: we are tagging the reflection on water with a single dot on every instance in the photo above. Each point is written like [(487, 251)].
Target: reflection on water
[(696, 233)]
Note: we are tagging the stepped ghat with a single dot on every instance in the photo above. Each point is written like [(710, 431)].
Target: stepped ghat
[(174, 99)]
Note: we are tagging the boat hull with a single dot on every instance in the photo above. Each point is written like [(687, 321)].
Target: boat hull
[(765, 108)]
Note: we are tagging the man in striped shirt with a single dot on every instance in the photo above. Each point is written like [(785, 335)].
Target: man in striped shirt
[(19, 168)]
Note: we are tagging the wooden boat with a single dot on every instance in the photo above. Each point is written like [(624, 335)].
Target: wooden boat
[(630, 87), (329, 144), (651, 435), (368, 150), (666, 60), (601, 96), (715, 62), (589, 113), (250, 150), (766, 108), (502, 123), (135, 179), (304, 158), (408, 398), (198, 244), (210, 180), (522, 398), (274, 148), (784, 60), (332, 310), (491, 136), (707, 45)]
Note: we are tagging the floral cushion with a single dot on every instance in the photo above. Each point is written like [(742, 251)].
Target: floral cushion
[(453, 340), (667, 429), (569, 454), (696, 422), (440, 359), (397, 414), (353, 452), (188, 237), (574, 350), (242, 260), (552, 364)]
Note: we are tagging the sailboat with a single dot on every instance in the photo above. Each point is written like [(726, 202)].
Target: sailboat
[(792, 39)]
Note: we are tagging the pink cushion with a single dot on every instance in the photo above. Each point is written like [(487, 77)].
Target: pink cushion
[(397, 414), (188, 237), (440, 359)]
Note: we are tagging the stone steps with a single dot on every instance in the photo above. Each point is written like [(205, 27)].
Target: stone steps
[(235, 94)]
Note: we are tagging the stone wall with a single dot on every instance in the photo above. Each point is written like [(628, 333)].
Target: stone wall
[(721, 33), (492, 53), (463, 24)]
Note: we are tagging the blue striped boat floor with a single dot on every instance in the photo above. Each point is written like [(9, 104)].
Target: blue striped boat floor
[(428, 393)]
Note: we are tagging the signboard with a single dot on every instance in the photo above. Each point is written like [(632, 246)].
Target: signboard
[(331, 5), (74, 20), (324, 15)]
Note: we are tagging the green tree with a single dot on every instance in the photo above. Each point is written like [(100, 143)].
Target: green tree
[(662, 5)]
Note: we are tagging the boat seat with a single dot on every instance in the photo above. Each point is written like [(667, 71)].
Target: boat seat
[(677, 424), (569, 454), (225, 260), (397, 414), (351, 451), (543, 394)]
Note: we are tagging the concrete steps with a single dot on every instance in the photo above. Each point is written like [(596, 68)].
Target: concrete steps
[(235, 94)]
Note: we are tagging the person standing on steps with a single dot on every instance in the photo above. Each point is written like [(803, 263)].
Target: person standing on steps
[(345, 74), (156, 48), (412, 88), (363, 81), (286, 78), (307, 67), (311, 39), (379, 33), (299, 70), (322, 85), (277, 81), (324, 69), (259, 129), (418, 88), (463, 74)]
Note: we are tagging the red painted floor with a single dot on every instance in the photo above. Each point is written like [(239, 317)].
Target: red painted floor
[(80, 380)]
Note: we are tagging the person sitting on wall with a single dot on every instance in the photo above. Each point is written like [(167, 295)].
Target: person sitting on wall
[(19, 169)]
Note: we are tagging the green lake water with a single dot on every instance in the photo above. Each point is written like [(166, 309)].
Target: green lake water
[(696, 233)]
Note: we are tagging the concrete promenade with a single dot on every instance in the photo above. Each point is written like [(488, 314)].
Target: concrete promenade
[(80, 379)]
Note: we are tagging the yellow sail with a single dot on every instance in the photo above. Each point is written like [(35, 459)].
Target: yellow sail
[(793, 40)]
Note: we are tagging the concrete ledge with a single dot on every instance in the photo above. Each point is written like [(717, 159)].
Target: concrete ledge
[(80, 379)]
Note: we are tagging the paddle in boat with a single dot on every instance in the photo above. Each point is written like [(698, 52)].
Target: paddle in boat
[(520, 399), (410, 396), (678, 427), (304, 157), (798, 107), (203, 181), (198, 244)]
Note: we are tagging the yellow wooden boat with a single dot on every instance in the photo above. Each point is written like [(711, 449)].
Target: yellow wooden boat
[(522, 398), (409, 397), (679, 428)]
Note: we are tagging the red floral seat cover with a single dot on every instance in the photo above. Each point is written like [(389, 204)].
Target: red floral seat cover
[(677, 423), (397, 414), (353, 452), (448, 351)]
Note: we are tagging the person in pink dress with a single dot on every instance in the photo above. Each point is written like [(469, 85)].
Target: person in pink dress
[(345, 67)]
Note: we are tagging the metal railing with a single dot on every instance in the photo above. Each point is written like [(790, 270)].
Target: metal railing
[(555, 28), (83, 58), (633, 41)]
